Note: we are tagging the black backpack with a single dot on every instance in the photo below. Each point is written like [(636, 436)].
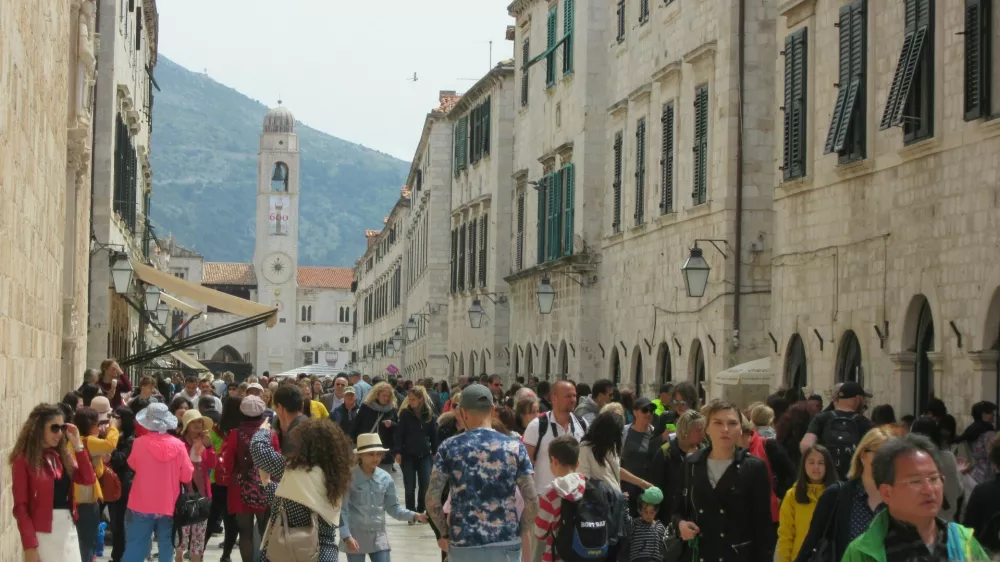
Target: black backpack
[(582, 534), (543, 428), (841, 437)]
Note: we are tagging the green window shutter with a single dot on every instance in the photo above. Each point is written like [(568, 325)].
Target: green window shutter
[(909, 57), (621, 21), (525, 57), (616, 219), (541, 219), (457, 144), (519, 248), (483, 229), (461, 257), (667, 160), (473, 135), (640, 172), (795, 105), (843, 84), (454, 260), (568, 36), (700, 192), (977, 58), (487, 119), (473, 253), (568, 230), (555, 214), (550, 59), (643, 11)]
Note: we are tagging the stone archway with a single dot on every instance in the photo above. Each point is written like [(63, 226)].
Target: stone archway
[(482, 362), (461, 364), (698, 373), (986, 358), (517, 360), (795, 364), (849, 355), (637, 368), (546, 361), (529, 360), (563, 360), (227, 354), (615, 366), (664, 372)]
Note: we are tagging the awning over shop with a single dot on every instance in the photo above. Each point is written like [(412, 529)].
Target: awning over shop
[(217, 299), (177, 304), (744, 384), (184, 358)]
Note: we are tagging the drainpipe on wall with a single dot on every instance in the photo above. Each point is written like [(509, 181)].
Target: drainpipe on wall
[(93, 154), (740, 54)]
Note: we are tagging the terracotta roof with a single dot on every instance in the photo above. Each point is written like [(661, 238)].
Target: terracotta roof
[(370, 233), (326, 277), (222, 273)]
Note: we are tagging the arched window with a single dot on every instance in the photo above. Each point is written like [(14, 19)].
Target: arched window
[(795, 363), (637, 369), (616, 366), (306, 313), (547, 362), (698, 369), (563, 360), (517, 360), (849, 359), (663, 367), (279, 177), (925, 369)]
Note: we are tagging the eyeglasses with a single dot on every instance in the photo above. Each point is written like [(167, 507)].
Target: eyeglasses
[(935, 480), (57, 428), (679, 402)]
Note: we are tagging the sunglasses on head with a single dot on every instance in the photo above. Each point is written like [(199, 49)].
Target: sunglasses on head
[(57, 428)]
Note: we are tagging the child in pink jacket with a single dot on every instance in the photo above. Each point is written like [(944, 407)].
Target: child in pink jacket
[(161, 463)]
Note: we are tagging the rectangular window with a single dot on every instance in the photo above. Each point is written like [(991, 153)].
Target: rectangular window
[(550, 58), (911, 95), (473, 253), (483, 228), (461, 143), (847, 131), (643, 11), (486, 114), (519, 246), (525, 57), (568, 9), (474, 136), (569, 198), (978, 60), (667, 160), (794, 163), (541, 220), (616, 186), (461, 257), (700, 193), (640, 172), (621, 21)]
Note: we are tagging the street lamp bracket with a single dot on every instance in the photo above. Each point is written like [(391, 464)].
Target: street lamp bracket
[(715, 242)]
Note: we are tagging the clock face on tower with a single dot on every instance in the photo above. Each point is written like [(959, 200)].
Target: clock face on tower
[(277, 268)]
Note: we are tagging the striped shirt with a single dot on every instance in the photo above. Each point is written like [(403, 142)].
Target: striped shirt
[(571, 487), (645, 540)]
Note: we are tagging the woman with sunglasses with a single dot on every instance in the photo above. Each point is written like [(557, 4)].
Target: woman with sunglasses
[(44, 468)]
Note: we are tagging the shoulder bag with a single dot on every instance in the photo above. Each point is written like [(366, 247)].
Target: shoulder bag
[(673, 544), (190, 509), (291, 544)]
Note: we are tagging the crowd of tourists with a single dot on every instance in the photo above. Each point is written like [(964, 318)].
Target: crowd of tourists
[(301, 469)]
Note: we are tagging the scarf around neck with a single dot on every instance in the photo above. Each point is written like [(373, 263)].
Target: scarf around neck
[(381, 408), (308, 487)]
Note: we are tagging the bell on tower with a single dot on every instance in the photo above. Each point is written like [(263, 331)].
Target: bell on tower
[(279, 179)]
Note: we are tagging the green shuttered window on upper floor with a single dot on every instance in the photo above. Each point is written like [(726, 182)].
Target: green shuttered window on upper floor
[(910, 102), (525, 68), (640, 172), (978, 40), (616, 185), (556, 200), (568, 14), (667, 160), (846, 135), (461, 144), (550, 57), (794, 161), (699, 193)]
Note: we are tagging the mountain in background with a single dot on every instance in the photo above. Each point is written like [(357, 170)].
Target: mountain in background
[(204, 157)]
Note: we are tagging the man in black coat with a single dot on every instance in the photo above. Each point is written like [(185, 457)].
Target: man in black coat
[(726, 499)]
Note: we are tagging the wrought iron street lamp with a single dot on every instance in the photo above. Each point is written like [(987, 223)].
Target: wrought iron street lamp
[(378, 351), (695, 271), (411, 329), (152, 297), (397, 341), (476, 314), (546, 295), (121, 272), (162, 311)]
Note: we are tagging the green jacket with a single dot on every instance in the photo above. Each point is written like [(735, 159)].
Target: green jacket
[(870, 546), (660, 408)]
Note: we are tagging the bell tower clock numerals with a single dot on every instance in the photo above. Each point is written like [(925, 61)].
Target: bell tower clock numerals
[(277, 268)]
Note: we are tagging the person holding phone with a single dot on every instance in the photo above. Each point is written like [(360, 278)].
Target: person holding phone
[(47, 459)]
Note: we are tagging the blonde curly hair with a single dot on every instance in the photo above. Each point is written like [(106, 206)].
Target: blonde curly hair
[(372, 395)]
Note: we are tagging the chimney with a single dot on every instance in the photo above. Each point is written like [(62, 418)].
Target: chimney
[(448, 99), (371, 235)]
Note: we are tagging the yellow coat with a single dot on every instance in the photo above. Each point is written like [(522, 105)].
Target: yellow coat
[(317, 410), (794, 522), (97, 448)]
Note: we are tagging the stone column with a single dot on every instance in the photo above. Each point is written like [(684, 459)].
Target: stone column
[(984, 374), (903, 376)]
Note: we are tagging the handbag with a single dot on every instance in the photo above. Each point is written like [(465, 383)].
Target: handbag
[(111, 485), (673, 544), (291, 544), (190, 509)]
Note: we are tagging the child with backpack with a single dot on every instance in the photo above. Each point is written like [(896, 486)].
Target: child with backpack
[(646, 534), (576, 515)]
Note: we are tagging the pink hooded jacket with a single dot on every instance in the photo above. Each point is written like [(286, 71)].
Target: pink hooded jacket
[(161, 463)]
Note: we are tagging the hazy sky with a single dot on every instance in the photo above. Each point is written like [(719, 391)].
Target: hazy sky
[(341, 65)]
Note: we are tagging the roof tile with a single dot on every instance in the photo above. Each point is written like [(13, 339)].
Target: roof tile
[(326, 277), (223, 273)]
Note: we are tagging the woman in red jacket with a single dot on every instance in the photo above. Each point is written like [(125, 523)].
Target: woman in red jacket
[(44, 469)]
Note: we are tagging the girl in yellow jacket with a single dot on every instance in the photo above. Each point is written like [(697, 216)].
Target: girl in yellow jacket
[(816, 472)]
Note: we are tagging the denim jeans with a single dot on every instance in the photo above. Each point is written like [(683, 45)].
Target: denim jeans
[(380, 556), (139, 529), (88, 519), (416, 471), (504, 552)]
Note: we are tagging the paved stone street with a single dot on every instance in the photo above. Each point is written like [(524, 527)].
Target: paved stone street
[(409, 543)]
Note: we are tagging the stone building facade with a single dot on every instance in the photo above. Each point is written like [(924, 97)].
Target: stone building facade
[(481, 194), (884, 266), (560, 51), (45, 115), (380, 293), (673, 165), (122, 175), (428, 242)]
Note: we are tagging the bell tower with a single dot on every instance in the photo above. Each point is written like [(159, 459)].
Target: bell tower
[(275, 257)]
